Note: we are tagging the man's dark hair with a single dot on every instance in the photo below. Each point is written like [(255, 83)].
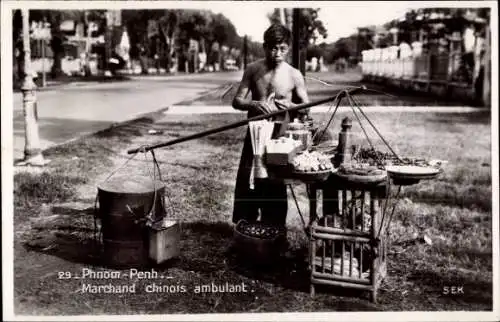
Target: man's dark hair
[(277, 34)]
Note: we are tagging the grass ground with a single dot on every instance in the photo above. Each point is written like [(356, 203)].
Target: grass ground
[(54, 225)]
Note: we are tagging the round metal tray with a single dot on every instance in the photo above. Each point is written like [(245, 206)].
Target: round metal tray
[(405, 172)]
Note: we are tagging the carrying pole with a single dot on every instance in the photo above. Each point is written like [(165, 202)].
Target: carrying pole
[(338, 95)]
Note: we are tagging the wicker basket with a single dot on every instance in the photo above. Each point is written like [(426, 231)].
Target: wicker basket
[(259, 248)]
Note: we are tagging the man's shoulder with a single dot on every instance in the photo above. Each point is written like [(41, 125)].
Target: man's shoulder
[(294, 70), (256, 65), (296, 74)]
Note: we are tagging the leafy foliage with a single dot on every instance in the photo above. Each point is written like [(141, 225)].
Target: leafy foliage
[(311, 27)]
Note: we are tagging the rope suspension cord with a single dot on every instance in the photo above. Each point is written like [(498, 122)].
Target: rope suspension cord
[(392, 211), (98, 232), (374, 127), (356, 103), (155, 161), (322, 122), (298, 208), (154, 188), (379, 162), (244, 122), (349, 87), (338, 98)]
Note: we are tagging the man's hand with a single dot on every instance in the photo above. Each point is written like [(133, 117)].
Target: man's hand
[(283, 104), (262, 107)]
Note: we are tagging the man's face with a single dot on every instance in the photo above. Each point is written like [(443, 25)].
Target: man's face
[(277, 53)]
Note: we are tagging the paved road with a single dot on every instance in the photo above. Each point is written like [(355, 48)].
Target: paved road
[(70, 111)]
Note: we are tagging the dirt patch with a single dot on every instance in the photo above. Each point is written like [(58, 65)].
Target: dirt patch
[(56, 230)]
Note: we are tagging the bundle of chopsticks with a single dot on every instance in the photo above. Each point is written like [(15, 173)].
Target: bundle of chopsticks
[(260, 134)]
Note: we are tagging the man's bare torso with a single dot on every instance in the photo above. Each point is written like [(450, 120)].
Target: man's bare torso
[(265, 80)]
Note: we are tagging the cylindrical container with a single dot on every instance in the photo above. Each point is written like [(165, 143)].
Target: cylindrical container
[(344, 152), (124, 203)]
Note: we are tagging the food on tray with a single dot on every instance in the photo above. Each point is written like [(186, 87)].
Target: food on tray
[(359, 169), (259, 230), (371, 156), (312, 162), (406, 165)]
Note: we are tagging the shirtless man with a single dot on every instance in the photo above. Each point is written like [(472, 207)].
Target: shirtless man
[(262, 78)]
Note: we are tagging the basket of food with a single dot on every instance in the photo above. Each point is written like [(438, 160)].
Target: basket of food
[(361, 174), (257, 240), (312, 166), (402, 170)]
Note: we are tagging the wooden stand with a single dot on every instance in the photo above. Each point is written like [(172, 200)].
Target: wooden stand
[(345, 248)]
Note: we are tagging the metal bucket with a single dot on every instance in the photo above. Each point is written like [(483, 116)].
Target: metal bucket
[(124, 203)]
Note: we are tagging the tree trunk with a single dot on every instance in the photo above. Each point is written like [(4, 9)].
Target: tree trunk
[(56, 45), (486, 89)]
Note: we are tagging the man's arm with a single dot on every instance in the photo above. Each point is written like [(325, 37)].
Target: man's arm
[(240, 102), (300, 87)]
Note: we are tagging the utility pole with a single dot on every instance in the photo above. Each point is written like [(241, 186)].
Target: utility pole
[(32, 151), (297, 62), (245, 52), (87, 45), (107, 45)]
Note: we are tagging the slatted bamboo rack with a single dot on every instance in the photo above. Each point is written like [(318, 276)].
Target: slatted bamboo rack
[(345, 248)]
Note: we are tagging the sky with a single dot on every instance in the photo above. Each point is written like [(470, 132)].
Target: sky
[(341, 19)]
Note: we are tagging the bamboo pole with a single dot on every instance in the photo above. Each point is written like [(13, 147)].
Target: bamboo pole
[(338, 95)]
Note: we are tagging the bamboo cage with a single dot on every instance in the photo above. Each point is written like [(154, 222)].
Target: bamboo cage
[(345, 249)]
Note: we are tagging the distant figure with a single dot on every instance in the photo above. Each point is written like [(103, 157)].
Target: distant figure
[(314, 64), (321, 65), (263, 78), (340, 65), (202, 58)]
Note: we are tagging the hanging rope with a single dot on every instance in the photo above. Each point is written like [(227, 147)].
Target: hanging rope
[(298, 208), (374, 127), (350, 87), (167, 194), (97, 231), (338, 98), (362, 128), (392, 211), (141, 149)]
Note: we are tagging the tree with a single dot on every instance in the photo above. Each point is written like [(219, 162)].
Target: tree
[(17, 27), (312, 26), (177, 27), (55, 18)]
